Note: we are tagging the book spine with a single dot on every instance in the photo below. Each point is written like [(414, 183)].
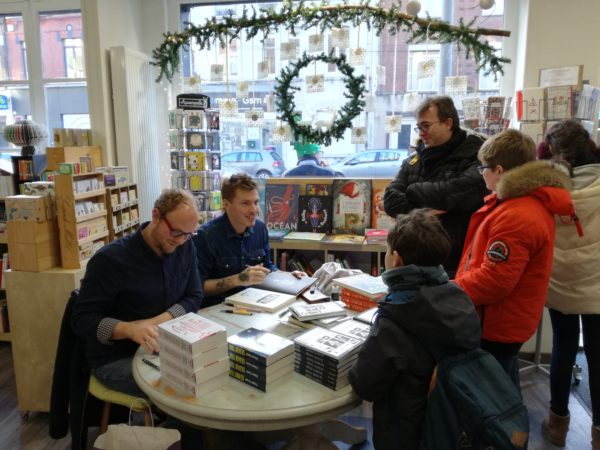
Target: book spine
[(241, 355), (174, 341), (355, 295), (244, 378), (316, 377), (356, 305), (301, 350)]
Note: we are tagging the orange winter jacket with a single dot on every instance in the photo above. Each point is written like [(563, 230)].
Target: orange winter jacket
[(507, 258)]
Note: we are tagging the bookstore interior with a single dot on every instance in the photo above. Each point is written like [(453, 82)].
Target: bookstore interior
[(88, 143)]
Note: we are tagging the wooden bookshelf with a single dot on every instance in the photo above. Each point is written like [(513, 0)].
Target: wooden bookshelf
[(81, 208), (122, 210), (5, 337)]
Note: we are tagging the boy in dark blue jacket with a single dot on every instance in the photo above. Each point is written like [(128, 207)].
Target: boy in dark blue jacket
[(422, 311)]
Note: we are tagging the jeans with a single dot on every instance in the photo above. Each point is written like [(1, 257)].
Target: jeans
[(565, 343), (508, 357)]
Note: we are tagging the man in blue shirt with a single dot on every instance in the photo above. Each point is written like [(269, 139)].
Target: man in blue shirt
[(233, 250), (136, 283), (308, 164)]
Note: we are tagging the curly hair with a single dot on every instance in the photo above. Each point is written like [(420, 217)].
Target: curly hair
[(170, 199), (569, 141), (419, 238)]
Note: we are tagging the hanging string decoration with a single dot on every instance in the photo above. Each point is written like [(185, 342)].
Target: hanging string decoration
[(284, 91), (305, 15)]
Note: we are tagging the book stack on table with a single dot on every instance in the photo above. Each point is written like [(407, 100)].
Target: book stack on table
[(193, 354), (259, 358), (361, 292), (326, 356)]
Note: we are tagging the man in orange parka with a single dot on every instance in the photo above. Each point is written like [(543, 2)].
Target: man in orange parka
[(507, 258)]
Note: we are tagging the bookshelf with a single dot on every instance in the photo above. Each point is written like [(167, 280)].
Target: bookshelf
[(56, 155), (122, 210), (22, 171), (81, 208)]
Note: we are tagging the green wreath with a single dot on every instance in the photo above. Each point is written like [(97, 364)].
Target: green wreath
[(284, 91)]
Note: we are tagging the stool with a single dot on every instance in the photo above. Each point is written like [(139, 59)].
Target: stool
[(110, 396)]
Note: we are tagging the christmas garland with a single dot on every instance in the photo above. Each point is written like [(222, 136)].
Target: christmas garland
[(284, 92), (292, 17)]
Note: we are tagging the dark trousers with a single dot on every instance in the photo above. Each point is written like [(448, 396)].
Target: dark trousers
[(565, 343), (507, 354)]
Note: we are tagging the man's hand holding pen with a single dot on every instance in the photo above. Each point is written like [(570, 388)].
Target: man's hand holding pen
[(253, 275)]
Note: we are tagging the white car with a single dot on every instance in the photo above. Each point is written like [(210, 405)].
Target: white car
[(371, 164)]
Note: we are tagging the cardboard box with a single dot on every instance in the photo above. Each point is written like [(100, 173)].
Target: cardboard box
[(30, 208), (33, 247)]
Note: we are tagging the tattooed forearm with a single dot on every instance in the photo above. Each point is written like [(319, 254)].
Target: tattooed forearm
[(244, 275), (224, 283)]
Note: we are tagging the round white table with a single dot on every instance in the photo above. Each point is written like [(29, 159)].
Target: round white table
[(301, 406)]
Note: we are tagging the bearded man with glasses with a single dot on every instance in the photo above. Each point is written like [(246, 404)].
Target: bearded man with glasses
[(442, 175)]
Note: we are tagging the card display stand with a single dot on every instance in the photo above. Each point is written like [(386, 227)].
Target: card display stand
[(81, 208), (122, 210)]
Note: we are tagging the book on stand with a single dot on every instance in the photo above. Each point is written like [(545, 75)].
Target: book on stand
[(286, 283), (351, 206), (379, 218), (314, 213), (268, 301), (364, 284), (281, 206), (305, 312)]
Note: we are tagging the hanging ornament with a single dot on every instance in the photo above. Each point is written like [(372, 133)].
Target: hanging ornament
[(359, 135), (287, 50), (228, 107), (393, 124), (316, 43), (255, 118), (486, 4), (262, 70), (426, 68), (193, 83), (315, 83), (340, 37), (357, 56), (281, 133), (241, 89), (216, 72), (413, 7), (270, 102)]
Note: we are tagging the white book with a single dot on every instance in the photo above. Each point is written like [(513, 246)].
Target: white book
[(267, 301), (368, 315), (192, 333), (188, 361), (364, 284), (305, 311), (185, 387), (329, 343), (198, 376), (353, 328), (258, 346)]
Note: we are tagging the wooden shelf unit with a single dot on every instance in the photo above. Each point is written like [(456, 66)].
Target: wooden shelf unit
[(82, 231), (5, 337), (123, 210)]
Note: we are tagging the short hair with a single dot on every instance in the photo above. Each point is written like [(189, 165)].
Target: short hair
[(419, 238), (238, 181), (445, 108), (171, 199), (509, 149), (569, 141)]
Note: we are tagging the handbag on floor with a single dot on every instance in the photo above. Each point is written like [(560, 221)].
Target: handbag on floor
[(130, 437)]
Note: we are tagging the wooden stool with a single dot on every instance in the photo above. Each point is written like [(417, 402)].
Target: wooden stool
[(110, 396)]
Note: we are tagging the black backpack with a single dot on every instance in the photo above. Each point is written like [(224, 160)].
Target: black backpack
[(473, 404)]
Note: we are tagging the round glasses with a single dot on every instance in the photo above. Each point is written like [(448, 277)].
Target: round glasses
[(425, 126)]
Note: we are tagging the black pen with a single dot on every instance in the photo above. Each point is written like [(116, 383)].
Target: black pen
[(151, 364)]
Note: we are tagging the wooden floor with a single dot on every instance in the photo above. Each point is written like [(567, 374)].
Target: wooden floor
[(16, 433)]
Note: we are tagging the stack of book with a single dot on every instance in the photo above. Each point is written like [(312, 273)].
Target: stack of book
[(305, 312), (361, 292), (193, 354), (325, 356), (261, 299), (259, 358), (376, 236)]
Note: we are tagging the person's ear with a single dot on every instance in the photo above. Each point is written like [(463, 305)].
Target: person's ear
[(155, 215), (397, 260)]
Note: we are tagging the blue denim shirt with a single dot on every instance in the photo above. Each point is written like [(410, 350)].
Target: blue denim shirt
[(222, 252)]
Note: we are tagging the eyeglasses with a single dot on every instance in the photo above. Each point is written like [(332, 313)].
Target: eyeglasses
[(425, 126), (482, 168), (178, 233)]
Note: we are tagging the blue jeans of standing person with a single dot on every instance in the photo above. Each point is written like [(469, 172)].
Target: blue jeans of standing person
[(565, 343), (118, 375)]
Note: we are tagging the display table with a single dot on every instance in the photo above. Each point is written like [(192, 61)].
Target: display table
[(294, 403), (36, 303)]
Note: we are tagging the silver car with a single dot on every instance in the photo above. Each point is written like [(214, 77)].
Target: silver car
[(371, 164), (256, 163)]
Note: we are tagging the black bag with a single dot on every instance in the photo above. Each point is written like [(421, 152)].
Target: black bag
[(474, 405)]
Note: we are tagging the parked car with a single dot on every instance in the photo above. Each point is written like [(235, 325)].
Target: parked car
[(371, 164), (256, 163)]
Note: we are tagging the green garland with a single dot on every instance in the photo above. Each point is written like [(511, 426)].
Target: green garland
[(267, 20), (284, 92)]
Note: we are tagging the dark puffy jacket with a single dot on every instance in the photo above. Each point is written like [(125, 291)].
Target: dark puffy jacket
[(443, 178), (394, 366)]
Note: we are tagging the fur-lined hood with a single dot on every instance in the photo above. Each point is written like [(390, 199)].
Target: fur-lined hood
[(533, 175)]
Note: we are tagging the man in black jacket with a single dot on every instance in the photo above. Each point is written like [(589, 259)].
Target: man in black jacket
[(442, 175)]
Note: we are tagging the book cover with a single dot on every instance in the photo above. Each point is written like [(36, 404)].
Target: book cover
[(353, 328), (379, 218), (281, 206), (531, 104), (344, 239), (314, 213), (241, 362), (195, 160), (304, 236), (318, 189), (192, 333), (277, 235), (351, 206), (267, 301), (265, 348), (329, 343), (560, 102), (535, 130), (305, 312), (286, 283), (365, 284)]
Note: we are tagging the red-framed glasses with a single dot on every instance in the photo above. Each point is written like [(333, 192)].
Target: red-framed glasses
[(178, 233)]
